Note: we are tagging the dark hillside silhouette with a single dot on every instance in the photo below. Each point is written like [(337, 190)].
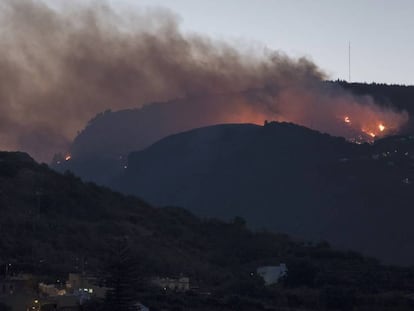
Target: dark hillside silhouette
[(287, 178), (99, 152), (64, 219)]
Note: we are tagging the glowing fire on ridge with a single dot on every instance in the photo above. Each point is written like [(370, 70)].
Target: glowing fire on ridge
[(372, 131), (68, 157)]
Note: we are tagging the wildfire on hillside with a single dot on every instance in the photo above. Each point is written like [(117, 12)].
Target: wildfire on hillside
[(367, 131)]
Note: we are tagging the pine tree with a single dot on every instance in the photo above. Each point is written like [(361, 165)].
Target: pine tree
[(122, 278)]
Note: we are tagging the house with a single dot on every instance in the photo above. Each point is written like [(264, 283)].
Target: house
[(51, 290), (66, 302), (78, 283), (272, 274)]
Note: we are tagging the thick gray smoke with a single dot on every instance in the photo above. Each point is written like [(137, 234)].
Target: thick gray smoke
[(59, 67)]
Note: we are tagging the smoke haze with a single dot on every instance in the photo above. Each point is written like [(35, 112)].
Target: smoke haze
[(60, 67)]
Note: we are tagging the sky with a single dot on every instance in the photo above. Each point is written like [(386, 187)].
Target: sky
[(380, 31)]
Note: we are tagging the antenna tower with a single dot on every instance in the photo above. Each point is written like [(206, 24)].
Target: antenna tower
[(349, 61)]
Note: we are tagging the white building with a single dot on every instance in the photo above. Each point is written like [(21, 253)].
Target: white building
[(272, 274)]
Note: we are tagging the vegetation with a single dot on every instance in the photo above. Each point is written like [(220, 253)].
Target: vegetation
[(121, 278), (288, 178), (4, 307), (49, 221)]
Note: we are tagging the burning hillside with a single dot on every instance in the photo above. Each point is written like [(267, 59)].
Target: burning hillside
[(94, 58)]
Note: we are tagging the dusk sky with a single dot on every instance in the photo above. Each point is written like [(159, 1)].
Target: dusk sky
[(380, 31)]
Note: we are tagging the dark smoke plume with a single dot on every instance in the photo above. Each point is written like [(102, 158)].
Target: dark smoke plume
[(59, 67)]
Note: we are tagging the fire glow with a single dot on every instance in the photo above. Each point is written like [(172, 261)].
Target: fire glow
[(367, 130), (205, 81)]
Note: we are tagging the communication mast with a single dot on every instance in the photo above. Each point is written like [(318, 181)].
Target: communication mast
[(349, 61)]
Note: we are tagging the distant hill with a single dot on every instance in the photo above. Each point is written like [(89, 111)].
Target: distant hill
[(390, 95), (287, 178), (100, 150), (100, 154), (394, 95), (53, 223)]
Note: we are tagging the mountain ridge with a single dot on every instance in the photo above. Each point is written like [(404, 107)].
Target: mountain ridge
[(285, 178), (99, 151)]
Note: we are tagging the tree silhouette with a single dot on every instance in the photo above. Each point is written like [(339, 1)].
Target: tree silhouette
[(122, 279)]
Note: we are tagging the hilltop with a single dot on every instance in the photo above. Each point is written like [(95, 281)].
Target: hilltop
[(286, 178), (100, 150)]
